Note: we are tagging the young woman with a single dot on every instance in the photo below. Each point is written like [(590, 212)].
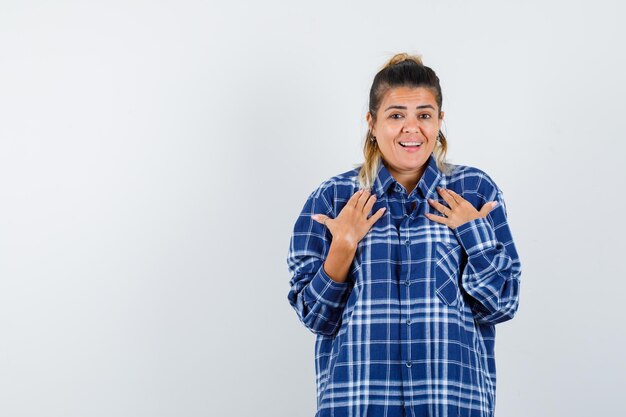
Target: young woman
[(404, 301)]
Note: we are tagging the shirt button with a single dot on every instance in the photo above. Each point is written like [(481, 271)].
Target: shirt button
[(407, 282), (408, 364), (407, 242), (408, 321)]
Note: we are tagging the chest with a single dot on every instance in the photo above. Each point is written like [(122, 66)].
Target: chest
[(404, 244)]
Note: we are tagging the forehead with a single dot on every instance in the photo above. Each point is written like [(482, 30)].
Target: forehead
[(408, 95)]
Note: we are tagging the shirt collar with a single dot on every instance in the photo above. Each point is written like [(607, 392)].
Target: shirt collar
[(425, 186)]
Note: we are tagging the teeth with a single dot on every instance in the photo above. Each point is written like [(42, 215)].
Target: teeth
[(410, 143)]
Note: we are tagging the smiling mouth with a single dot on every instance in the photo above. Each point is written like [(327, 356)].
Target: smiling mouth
[(411, 144)]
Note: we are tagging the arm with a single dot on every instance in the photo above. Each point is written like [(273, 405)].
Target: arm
[(492, 273), (317, 298)]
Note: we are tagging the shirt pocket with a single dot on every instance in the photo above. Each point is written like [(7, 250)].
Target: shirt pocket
[(447, 272)]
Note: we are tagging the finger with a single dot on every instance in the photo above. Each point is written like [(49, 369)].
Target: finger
[(374, 217), (320, 218), (370, 203), (439, 207), (355, 197), (457, 197), (487, 207), (438, 219), (447, 196), (363, 199)]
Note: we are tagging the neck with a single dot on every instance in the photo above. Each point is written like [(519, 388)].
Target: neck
[(408, 179)]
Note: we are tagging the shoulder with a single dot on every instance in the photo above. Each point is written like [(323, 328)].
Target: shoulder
[(347, 180), (470, 179), (336, 189)]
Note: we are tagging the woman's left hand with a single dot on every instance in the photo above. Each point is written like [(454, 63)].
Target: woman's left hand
[(460, 210)]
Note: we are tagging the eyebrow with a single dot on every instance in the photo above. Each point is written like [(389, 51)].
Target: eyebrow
[(395, 106)]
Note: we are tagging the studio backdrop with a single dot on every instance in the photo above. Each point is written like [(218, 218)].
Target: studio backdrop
[(154, 157)]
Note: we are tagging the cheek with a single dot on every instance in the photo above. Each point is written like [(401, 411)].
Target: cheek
[(386, 145), (391, 132)]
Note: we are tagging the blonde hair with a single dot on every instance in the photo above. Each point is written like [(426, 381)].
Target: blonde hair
[(402, 70)]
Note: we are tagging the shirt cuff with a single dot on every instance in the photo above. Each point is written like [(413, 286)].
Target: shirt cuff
[(324, 289), (476, 235)]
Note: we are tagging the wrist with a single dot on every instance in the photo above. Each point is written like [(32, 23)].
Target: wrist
[(343, 245)]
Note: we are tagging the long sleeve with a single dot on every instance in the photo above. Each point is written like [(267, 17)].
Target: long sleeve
[(317, 299), (492, 273)]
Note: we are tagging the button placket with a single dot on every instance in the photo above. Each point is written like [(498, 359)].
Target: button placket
[(404, 234)]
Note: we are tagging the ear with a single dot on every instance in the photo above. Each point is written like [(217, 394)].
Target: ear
[(368, 118), (441, 116)]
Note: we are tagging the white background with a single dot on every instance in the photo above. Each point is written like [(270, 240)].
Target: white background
[(154, 156)]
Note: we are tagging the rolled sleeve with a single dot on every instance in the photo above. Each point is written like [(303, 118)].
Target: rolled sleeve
[(318, 300), (492, 273), (324, 289)]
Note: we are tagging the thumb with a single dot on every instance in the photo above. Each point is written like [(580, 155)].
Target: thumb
[(320, 218), (487, 207)]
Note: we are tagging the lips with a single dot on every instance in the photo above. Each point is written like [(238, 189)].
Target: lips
[(410, 144)]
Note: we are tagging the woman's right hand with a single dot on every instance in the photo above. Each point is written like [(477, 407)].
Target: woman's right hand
[(352, 224)]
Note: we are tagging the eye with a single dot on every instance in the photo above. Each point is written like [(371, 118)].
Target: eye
[(395, 114), (426, 114)]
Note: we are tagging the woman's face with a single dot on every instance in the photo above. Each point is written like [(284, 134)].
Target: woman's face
[(406, 114)]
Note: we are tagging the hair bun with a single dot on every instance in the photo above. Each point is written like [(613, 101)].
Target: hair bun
[(403, 56)]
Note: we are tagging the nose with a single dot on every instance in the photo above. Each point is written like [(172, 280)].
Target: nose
[(410, 125)]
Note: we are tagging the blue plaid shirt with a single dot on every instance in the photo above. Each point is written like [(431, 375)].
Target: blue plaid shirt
[(411, 331)]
